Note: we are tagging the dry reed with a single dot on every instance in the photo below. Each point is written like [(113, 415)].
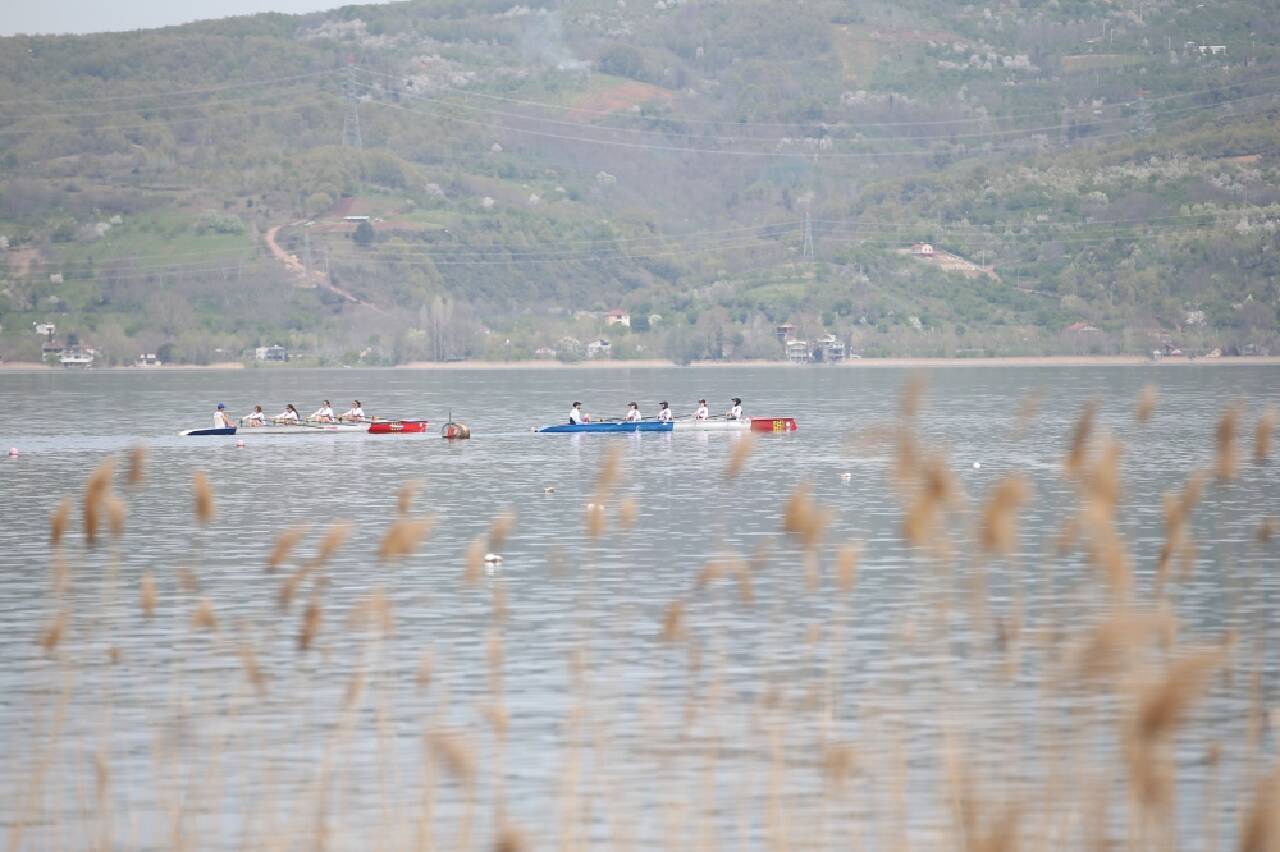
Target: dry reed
[(284, 545), (998, 528), (1079, 443), (137, 466), (58, 522), (204, 618), (1227, 459), (404, 500), (95, 493), (1147, 401), (1262, 435), (403, 537), (147, 588), (203, 492), (738, 455), (500, 529)]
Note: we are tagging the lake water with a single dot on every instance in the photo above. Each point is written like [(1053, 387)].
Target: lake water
[(802, 717)]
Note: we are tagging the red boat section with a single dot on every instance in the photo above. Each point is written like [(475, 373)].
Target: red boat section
[(396, 427), (773, 424)]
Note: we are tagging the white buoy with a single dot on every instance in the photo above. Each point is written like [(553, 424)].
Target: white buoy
[(550, 489), (13, 452), (239, 443), (977, 465), (846, 476), (492, 559)]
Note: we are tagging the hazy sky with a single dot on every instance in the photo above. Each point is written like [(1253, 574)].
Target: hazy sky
[(87, 16)]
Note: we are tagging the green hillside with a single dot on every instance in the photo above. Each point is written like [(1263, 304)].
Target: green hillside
[(440, 179)]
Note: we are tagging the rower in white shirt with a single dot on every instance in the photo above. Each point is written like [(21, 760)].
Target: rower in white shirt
[(356, 414), (575, 414), (633, 413), (735, 413), (703, 413), (220, 418), (256, 417), (323, 414), (288, 416), (664, 413)]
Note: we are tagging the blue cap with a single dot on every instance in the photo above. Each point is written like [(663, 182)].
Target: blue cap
[(220, 405)]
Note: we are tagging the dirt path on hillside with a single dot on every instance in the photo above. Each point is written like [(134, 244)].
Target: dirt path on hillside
[(318, 278)]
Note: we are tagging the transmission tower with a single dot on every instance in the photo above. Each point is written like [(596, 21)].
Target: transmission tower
[(351, 119), (807, 251)]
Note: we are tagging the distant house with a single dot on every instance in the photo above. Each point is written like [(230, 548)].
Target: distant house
[(784, 331), (832, 349), (544, 352), (147, 359), (271, 353), (77, 356), (798, 352), (922, 249), (599, 347), (618, 317), (355, 219), (45, 329), (1082, 328)]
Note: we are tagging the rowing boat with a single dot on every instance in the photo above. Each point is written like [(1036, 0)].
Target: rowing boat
[(610, 426), (751, 424), (397, 427), (283, 429)]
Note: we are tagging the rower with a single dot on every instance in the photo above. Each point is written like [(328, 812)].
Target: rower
[(323, 414), (256, 418), (289, 415), (664, 412), (575, 414), (356, 414), (633, 413), (735, 413), (703, 413), (220, 418)]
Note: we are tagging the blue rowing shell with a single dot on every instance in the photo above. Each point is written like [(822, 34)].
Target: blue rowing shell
[(637, 426), (229, 430)]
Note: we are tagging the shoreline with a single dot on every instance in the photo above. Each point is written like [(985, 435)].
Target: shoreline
[(652, 363)]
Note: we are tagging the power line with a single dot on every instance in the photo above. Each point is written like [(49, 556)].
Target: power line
[(841, 155), (267, 81), (825, 125), (134, 110), (742, 139), (14, 131)]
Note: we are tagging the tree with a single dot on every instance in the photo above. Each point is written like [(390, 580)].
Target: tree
[(364, 233)]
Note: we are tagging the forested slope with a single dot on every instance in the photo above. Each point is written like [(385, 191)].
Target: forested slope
[(1093, 177)]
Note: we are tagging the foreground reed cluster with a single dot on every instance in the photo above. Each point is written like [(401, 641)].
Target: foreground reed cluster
[(1024, 693)]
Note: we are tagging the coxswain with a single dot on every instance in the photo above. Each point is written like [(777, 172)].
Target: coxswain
[(703, 413), (664, 413), (256, 417), (323, 414), (575, 414), (633, 413), (289, 415), (735, 413), (356, 414), (220, 418)]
